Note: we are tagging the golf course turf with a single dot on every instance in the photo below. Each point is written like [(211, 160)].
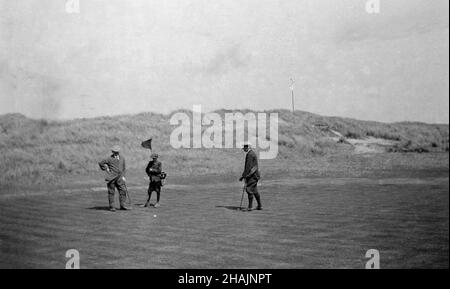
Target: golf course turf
[(306, 223)]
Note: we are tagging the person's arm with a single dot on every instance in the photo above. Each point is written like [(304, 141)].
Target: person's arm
[(154, 169), (147, 169), (123, 169), (252, 171), (252, 166), (104, 164), (158, 169), (244, 173)]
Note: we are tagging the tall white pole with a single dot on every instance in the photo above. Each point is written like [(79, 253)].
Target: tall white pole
[(292, 95), (293, 105)]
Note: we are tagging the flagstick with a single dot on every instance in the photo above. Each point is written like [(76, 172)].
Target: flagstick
[(293, 107), (292, 94)]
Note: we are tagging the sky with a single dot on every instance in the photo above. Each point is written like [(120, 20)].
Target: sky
[(125, 57)]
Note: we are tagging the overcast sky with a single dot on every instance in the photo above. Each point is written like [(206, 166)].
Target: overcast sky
[(120, 57)]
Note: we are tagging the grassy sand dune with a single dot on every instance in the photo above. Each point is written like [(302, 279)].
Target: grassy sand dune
[(37, 152)]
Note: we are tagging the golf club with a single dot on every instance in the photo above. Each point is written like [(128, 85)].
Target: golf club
[(242, 198), (128, 196)]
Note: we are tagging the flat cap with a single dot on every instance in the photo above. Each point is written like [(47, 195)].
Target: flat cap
[(115, 148)]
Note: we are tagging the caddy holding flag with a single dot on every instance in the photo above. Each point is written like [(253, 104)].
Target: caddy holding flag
[(155, 174), (154, 171)]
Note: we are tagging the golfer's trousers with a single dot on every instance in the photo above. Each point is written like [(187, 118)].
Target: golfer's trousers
[(118, 184), (252, 186), (252, 191)]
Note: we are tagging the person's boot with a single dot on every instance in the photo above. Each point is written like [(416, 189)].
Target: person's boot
[(146, 204), (250, 205), (258, 200), (112, 209), (157, 205), (123, 200)]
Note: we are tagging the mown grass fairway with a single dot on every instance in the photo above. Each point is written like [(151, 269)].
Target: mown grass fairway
[(307, 223)]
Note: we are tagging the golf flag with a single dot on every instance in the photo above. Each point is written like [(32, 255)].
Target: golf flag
[(147, 144), (292, 84)]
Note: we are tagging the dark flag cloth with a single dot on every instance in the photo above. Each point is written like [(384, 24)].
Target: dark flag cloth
[(147, 144)]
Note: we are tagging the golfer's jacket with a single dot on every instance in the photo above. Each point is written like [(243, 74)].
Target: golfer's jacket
[(116, 167), (251, 169), (153, 170)]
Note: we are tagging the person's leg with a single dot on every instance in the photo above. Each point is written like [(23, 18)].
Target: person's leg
[(111, 192), (158, 193), (121, 187), (250, 201), (148, 199), (250, 188), (149, 192), (257, 197)]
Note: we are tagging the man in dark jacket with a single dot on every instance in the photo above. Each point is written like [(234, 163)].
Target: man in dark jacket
[(115, 167), (153, 170), (251, 176)]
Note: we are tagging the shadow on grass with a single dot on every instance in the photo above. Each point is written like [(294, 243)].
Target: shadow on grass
[(100, 208), (233, 208), (106, 208)]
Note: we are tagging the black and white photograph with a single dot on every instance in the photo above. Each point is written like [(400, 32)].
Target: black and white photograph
[(250, 135)]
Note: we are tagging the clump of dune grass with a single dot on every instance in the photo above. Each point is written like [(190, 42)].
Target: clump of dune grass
[(44, 151)]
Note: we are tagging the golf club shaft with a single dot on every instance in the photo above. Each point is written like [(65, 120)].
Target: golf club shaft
[(128, 194), (242, 198)]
